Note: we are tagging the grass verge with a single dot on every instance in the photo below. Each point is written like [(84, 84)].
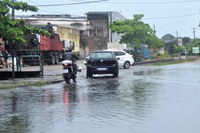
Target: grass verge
[(6, 86), (24, 84), (173, 62)]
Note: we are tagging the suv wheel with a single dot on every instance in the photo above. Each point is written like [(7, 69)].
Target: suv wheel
[(88, 75), (126, 65), (116, 75), (52, 60)]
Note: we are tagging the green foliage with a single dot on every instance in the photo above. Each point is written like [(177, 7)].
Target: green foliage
[(11, 29), (193, 43), (172, 62), (178, 49), (6, 4), (136, 32), (168, 37), (165, 56), (6, 86)]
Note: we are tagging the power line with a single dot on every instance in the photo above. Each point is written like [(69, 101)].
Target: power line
[(78, 3), (52, 10), (141, 3), (169, 17), (145, 3), (45, 7)]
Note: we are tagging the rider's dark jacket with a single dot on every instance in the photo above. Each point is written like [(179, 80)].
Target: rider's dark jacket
[(70, 56)]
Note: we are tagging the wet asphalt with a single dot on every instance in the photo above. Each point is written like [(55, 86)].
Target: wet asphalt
[(144, 99)]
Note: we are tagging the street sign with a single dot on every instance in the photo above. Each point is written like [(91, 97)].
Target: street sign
[(195, 50)]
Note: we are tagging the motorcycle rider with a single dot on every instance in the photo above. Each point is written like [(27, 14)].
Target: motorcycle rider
[(69, 55)]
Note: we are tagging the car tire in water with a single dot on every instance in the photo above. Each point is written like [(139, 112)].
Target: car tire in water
[(52, 60), (56, 59), (88, 75), (116, 75), (126, 65)]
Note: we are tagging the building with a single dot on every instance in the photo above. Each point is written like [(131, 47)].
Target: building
[(69, 36), (94, 32), (65, 25), (100, 33)]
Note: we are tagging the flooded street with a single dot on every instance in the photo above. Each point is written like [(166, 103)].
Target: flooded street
[(144, 99)]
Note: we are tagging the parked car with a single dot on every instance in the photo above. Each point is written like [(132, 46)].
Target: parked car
[(125, 60), (102, 62)]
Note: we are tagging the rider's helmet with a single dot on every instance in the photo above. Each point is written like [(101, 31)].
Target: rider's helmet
[(68, 49)]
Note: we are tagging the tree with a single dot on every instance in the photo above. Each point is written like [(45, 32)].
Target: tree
[(14, 30), (194, 43), (168, 38), (136, 32), (11, 29), (178, 49)]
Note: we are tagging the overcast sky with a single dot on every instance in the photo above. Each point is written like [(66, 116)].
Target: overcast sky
[(168, 16)]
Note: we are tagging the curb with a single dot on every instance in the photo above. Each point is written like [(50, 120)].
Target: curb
[(28, 82), (152, 62)]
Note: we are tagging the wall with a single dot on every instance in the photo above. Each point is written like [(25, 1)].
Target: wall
[(114, 36), (100, 34), (70, 36)]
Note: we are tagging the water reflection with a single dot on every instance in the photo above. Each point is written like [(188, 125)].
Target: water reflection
[(139, 97), (70, 94), (103, 85), (149, 72), (70, 99), (11, 119)]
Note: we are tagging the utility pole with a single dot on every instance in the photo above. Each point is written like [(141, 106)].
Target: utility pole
[(154, 29), (194, 32), (12, 49), (177, 37), (13, 11)]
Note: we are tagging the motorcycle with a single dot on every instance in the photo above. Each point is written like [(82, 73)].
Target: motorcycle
[(69, 72)]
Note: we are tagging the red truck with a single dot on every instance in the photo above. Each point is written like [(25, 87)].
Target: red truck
[(48, 49), (51, 49)]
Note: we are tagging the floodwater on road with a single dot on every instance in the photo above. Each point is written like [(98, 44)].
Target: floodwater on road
[(164, 99)]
